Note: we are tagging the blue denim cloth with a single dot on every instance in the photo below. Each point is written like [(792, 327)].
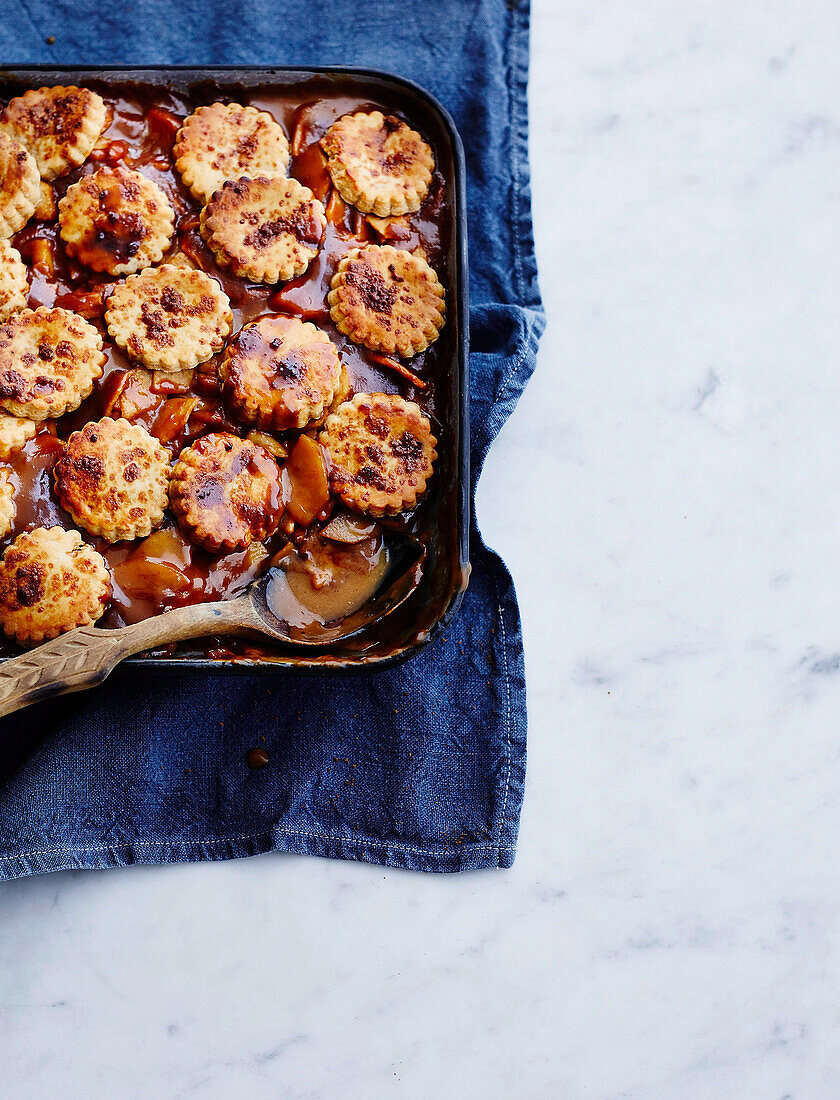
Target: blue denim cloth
[(421, 766)]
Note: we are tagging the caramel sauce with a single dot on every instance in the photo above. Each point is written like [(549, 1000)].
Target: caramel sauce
[(256, 758), (166, 570), (327, 581)]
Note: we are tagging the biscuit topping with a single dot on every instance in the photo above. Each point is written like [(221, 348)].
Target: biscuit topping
[(387, 299), (280, 373), (116, 220), (59, 126), (50, 582), (382, 453), (112, 479), (49, 359), (169, 318), (20, 186), (225, 142), (14, 285), (226, 492), (267, 230), (378, 164)]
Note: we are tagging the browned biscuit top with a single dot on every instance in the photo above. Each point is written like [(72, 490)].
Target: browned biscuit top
[(116, 220), (50, 582), (20, 185), (169, 318), (382, 453), (226, 492), (264, 229), (378, 163), (280, 372), (49, 359), (112, 479), (59, 126), (388, 299)]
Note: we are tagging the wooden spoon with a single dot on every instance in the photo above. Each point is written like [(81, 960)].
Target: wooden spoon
[(84, 657)]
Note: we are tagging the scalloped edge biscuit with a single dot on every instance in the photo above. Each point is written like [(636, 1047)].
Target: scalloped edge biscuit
[(265, 229), (378, 163), (14, 281), (116, 220), (51, 581), (59, 126), (208, 151), (388, 299), (382, 453), (113, 479), (49, 360), (20, 185), (280, 372), (169, 318), (215, 506)]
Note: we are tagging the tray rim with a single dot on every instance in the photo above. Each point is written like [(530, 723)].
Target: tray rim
[(362, 665)]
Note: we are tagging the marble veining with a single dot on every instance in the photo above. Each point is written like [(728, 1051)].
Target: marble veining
[(671, 928)]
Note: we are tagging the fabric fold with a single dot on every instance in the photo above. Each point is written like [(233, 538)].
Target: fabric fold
[(421, 766)]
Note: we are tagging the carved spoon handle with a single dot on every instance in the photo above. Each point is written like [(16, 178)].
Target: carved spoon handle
[(83, 658)]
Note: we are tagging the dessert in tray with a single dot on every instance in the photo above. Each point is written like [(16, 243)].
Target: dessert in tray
[(219, 317)]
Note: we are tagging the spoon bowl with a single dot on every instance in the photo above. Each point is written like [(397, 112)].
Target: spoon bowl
[(405, 560)]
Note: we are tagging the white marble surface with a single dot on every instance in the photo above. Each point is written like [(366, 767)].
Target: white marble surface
[(670, 928)]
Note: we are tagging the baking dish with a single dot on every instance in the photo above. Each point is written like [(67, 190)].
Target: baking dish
[(442, 521)]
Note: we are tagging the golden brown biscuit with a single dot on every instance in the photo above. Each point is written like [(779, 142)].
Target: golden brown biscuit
[(14, 284), (378, 164), (112, 479), (50, 582), (226, 141), (116, 220), (49, 360), (280, 372), (20, 186), (381, 451), (169, 318), (7, 503), (59, 126), (267, 230), (387, 299), (226, 492), (14, 432)]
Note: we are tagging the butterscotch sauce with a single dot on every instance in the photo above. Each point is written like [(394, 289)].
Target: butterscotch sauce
[(256, 758), (327, 581)]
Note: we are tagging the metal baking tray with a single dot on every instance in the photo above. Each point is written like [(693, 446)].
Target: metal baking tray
[(447, 511)]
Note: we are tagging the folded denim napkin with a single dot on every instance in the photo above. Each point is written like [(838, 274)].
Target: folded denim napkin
[(421, 766)]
